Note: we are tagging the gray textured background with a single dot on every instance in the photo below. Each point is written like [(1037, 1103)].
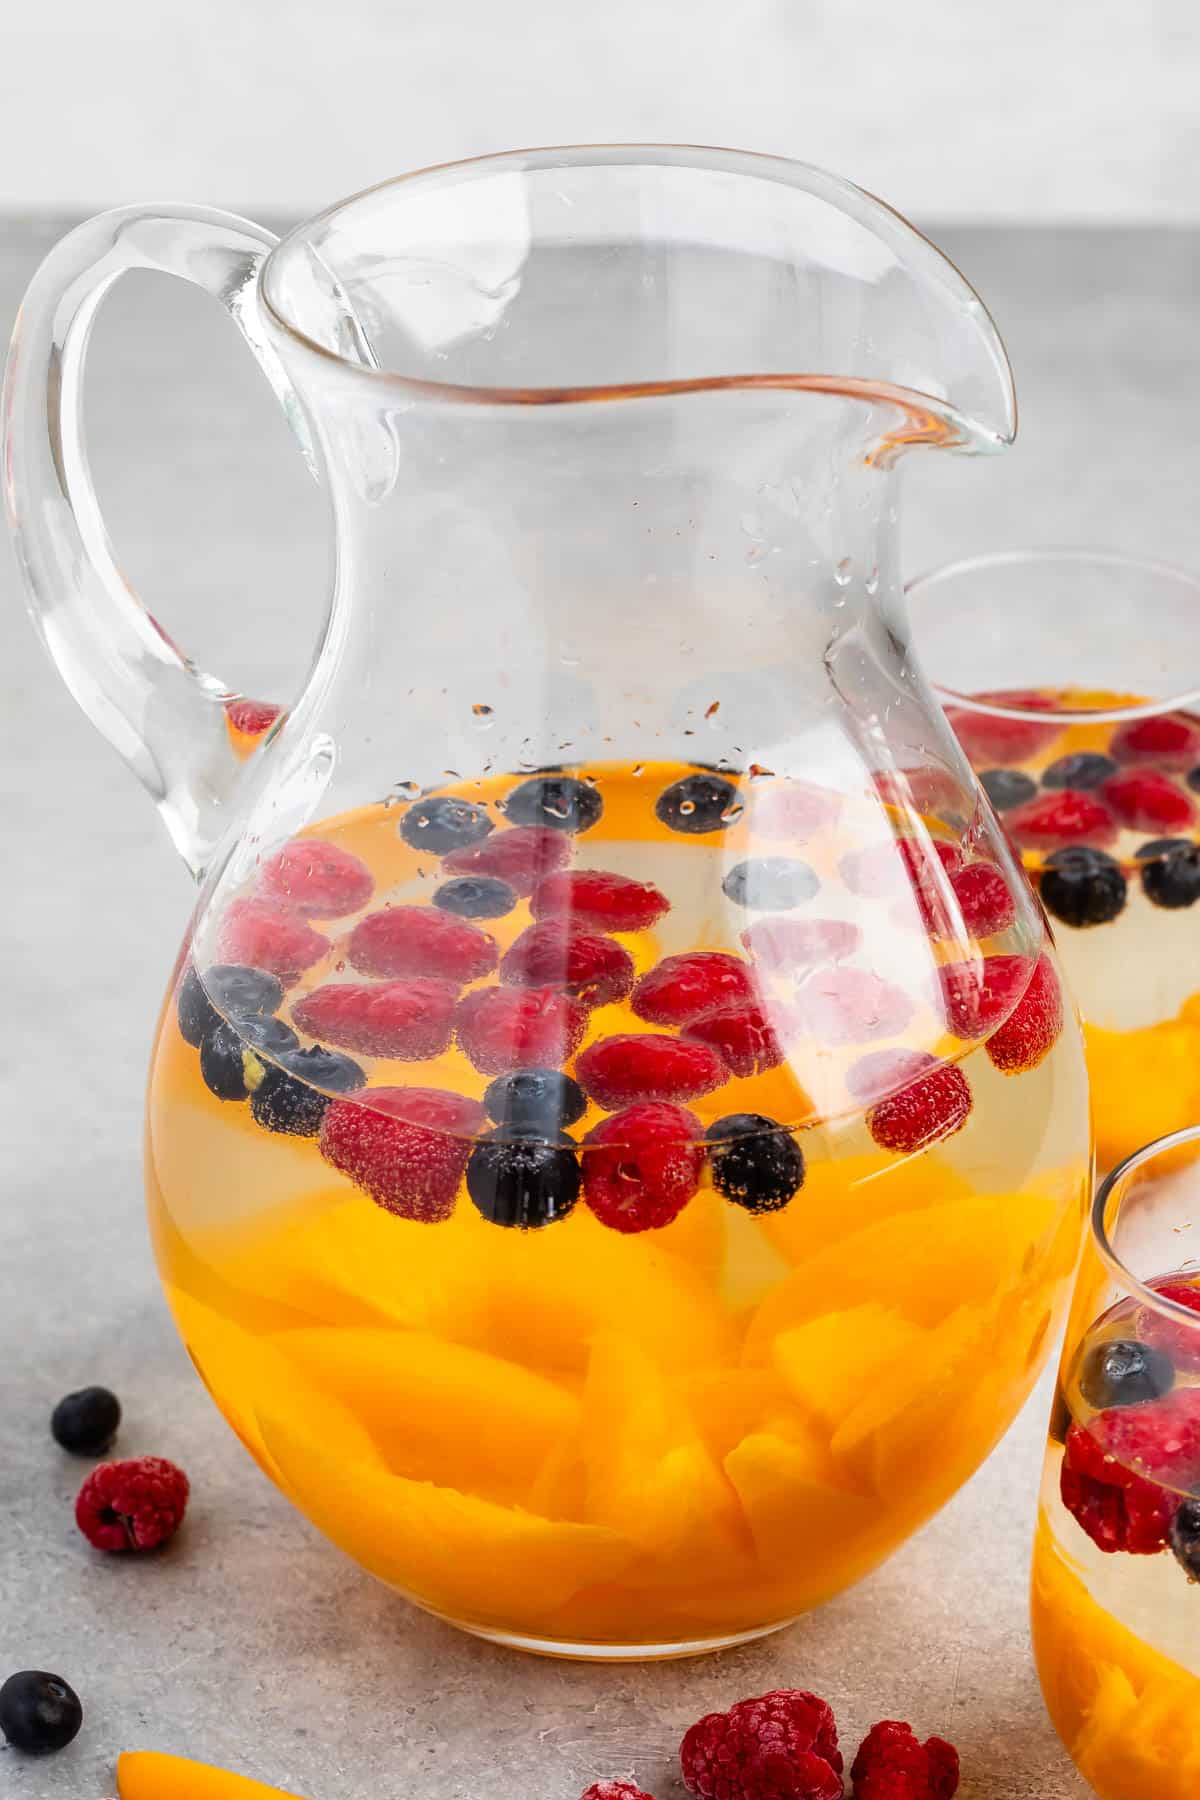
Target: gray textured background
[(252, 1644)]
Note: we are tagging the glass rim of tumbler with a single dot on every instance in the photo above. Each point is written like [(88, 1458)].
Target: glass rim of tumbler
[(1106, 1210), (1075, 556)]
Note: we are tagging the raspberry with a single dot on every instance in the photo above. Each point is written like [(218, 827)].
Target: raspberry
[(927, 789), (405, 1147), (1144, 800), (926, 1112), (985, 903), (880, 870), (1032, 1029), (615, 1790), (1117, 1509), (251, 717), (264, 935), (600, 899), (557, 954), (519, 1028), (1067, 817), (987, 739), (681, 988), (892, 1765), (882, 1072), (978, 995), (317, 879), (134, 1505), (1161, 1439), (1173, 1337), (801, 943), (851, 1006), (742, 1036), (522, 856), (780, 1746), (617, 1071), (794, 810), (410, 1020), (420, 940), (1170, 739), (642, 1166)]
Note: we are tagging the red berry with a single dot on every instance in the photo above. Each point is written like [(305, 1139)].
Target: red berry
[(988, 740), (927, 789), (1159, 1439), (642, 1166), (929, 1110), (1033, 1028), (557, 954), (1179, 1341), (1169, 739), (405, 1147), (743, 1037), (615, 1790), (851, 1006), (1117, 1509), (979, 994), (780, 1746), (892, 1765), (410, 1020), (264, 935), (618, 1071), (597, 898), (317, 879), (680, 988), (881, 870), (519, 1028), (251, 717), (882, 1072), (1070, 816), (522, 856), (133, 1505), (794, 810), (1144, 800), (985, 902), (800, 943), (420, 940)]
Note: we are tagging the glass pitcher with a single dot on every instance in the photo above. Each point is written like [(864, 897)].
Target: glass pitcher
[(616, 1138)]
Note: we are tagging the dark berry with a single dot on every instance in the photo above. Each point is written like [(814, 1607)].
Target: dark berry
[(39, 1713), (197, 1014), (540, 1101), (1193, 779), (1082, 886), (1086, 769), (770, 884), (228, 1061), (559, 802), (1060, 1416), (1123, 1372), (443, 823), (1007, 787), (754, 1162), (698, 803), (1170, 872), (293, 1094), (523, 1183), (231, 989), (86, 1422), (1184, 1538), (476, 897)]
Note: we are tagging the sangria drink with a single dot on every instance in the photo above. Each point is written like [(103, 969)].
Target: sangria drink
[(1117, 1556), (1097, 783), (616, 1204)]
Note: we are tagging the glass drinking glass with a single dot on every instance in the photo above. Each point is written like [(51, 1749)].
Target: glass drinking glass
[(1073, 681), (1116, 1606)]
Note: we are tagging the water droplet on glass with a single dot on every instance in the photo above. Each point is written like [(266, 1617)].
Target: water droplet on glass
[(872, 582), (759, 773), (407, 789), (710, 712), (732, 812), (844, 572), (481, 711), (569, 655), (638, 769)]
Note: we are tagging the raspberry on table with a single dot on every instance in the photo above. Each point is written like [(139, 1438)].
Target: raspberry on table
[(1033, 1027), (1118, 1509), (681, 988), (318, 879), (557, 953), (801, 943), (599, 900), (642, 1166), (520, 857), (615, 1790), (405, 1147), (779, 1746), (1145, 800), (506, 1028), (743, 1037), (420, 940), (634, 1066), (892, 1765), (133, 1505), (410, 1020), (264, 935)]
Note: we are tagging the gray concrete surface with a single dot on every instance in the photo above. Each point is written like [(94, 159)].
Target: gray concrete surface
[(253, 1644)]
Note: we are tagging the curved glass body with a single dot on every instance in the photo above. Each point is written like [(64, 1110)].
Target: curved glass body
[(616, 1116)]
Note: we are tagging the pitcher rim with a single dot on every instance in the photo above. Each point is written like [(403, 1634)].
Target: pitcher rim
[(957, 427)]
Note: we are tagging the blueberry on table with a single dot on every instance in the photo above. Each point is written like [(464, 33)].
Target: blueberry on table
[(1124, 1372), (86, 1422), (1170, 870), (1007, 787), (1085, 769), (1184, 1537), (228, 1063), (476, 897), (540, 1101), (39, 1712), (770, 884), (697, 804), (523, 1183), (293, 1095), (1081, 886), (754, 1162), (441, 823), (560, 802)]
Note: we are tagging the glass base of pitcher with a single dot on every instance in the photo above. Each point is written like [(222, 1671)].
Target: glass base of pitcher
[(564, 1650)]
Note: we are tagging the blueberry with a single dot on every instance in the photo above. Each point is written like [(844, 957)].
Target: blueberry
[(1170, 871), (86, 1422), (227, 1060), (770, 884), (1193, 779), (39, 1713), (1124, 1372), (197, 1014), (1085, 769), (1082, 886), (1060, 1416), (1006, 788), (535, 1100), (476, 897), (525, 1184), (754, 1162), (442, 823), (561, 802), (293, 1095), (1185, 1538), (241, 992), (699, 803)]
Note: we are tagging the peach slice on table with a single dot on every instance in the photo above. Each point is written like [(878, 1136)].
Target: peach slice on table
[(147, 1775)]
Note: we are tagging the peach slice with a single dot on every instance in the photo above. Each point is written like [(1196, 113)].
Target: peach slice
[(147, 1775), (794, 1504), (831, 1363)]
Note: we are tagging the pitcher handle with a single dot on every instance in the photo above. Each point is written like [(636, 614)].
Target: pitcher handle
[(164, 715)]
